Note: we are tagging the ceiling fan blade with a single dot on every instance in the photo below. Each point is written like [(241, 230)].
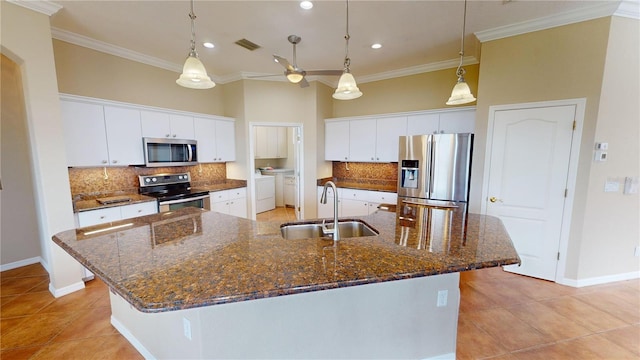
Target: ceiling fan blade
[(325, 72), (304, 83), (284, 62)]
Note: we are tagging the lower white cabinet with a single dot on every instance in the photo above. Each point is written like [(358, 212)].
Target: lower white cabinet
[(354, 202), (115, 213), (230, 202), (265, 193)]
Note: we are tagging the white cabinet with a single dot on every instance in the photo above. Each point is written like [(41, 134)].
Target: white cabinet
[(84, 134), (364, 140), (230, 202), (289, 190), (270, 142), (115, 213), (216, 140), (326, 210), (157, 124), (124, 135), (336, 140), (354, 202), (97, 135), (455, 121)]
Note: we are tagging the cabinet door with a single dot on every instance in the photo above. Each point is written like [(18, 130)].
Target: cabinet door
[(336, 141), (362, 140), (423, 124), (282, 143), (458, 122), (205, 134), (225, 141), (354, 207), (84, 134), (272, 142), (155, 124), (326, 210), (124, 136), (181, 126), (260, 148), (140, 209), (100, 216), (221, 207), (238, 207), (388, 132), (219, 196)]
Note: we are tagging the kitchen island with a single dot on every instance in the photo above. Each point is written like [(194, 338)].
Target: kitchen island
[(221, 286)]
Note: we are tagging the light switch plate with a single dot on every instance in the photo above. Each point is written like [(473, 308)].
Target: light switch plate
[(611, 186)]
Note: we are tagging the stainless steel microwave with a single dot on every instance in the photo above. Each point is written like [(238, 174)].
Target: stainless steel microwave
[(169, 152)]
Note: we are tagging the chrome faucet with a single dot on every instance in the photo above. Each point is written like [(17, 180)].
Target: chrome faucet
[(323, 199)]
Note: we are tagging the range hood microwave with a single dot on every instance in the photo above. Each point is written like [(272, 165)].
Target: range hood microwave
[(169, 152)]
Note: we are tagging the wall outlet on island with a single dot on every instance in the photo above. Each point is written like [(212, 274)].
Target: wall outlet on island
[(186, 324), (636, 252), (442, 298)]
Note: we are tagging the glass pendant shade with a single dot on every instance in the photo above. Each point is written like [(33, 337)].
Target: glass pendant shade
[(194, 75), (347, 88), (461, 94), (295, 77)]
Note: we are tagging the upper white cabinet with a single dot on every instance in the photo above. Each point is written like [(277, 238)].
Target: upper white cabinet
[(124, 135), (216, 140), (270, 142), (84, 134), (364, 140), (97, 135), (375, 138), (449, 122), (157, 124)]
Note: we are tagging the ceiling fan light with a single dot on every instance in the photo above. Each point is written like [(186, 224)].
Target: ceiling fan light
[(295, 77), (347, 88), (194, 75), (461, 94)]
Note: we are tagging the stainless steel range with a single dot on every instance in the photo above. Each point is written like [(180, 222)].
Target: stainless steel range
[(173, 191)]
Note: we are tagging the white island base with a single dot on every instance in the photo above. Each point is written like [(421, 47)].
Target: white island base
[(395, 319)]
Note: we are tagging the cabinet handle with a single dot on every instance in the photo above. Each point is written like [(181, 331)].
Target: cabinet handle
[(104, 161), (102, 217), (115, 161), (139, 210), (377, 158), (372, 158), (174, 135), (168, 135)]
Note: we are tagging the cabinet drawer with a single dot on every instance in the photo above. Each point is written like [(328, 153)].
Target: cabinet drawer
[(353, 194), (141, 209), (382, 197), (329, 192), (237, 193), (217, 196), (101, 216)]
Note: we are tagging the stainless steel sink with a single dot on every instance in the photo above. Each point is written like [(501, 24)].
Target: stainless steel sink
[(351, 228)]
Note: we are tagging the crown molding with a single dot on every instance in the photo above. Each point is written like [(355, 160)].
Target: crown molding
[(419, 69), (588, 13), (42, 6), (629, 9)]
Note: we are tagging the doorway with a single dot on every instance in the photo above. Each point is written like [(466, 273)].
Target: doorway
[(532, 152), (276, 171)]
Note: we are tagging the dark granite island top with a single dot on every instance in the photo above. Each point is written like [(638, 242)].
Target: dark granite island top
[(193, 258)]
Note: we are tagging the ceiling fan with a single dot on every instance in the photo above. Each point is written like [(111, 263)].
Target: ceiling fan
[(295, 74)]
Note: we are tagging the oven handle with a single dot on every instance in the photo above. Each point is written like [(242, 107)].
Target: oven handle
[(190, 152), (169, 202)]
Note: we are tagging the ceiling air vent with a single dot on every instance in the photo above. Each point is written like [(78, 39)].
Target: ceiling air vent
[(247, 44)]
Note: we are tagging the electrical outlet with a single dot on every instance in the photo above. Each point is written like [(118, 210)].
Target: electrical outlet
[(186, 324), (637, 251), (442, 298)]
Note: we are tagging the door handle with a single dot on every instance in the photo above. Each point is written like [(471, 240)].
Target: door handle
[(494, 199)]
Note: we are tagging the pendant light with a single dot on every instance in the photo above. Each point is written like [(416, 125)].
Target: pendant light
[(461, 93), (194, 75), (347, 87)]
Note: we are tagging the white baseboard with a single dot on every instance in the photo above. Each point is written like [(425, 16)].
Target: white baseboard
[(66, 290), (132, 339), (21, 263), (600, 279), (450, 356)]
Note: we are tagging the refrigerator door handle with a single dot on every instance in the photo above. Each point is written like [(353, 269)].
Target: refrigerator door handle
[(432, 167)]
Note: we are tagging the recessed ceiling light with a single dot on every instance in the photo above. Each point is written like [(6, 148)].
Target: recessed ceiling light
[(306, 5), (208, 45), (376, 46)]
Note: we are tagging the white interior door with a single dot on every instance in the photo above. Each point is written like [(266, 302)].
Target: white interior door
[(529, 163)]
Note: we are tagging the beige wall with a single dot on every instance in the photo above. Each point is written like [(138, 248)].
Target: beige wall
[(26, 39), (424, 91), (19, 237), (86, 72), (611, 223), (564, 63)]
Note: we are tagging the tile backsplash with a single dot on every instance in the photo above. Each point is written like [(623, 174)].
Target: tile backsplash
[(91, 182), (366, 172)]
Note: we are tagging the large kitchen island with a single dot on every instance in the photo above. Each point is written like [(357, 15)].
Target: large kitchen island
[(200, 284)]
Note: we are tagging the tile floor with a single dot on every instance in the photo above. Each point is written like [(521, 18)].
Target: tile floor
[(502, 316), (277, 214)]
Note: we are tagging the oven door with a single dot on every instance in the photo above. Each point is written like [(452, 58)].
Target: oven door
[(202, 202)]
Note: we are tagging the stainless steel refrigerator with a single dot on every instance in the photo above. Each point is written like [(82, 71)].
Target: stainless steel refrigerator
[(435, 167)]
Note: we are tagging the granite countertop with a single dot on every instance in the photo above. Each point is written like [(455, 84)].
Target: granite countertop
[(385, 186), (219, 186), (192, 257), (94, 203)]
